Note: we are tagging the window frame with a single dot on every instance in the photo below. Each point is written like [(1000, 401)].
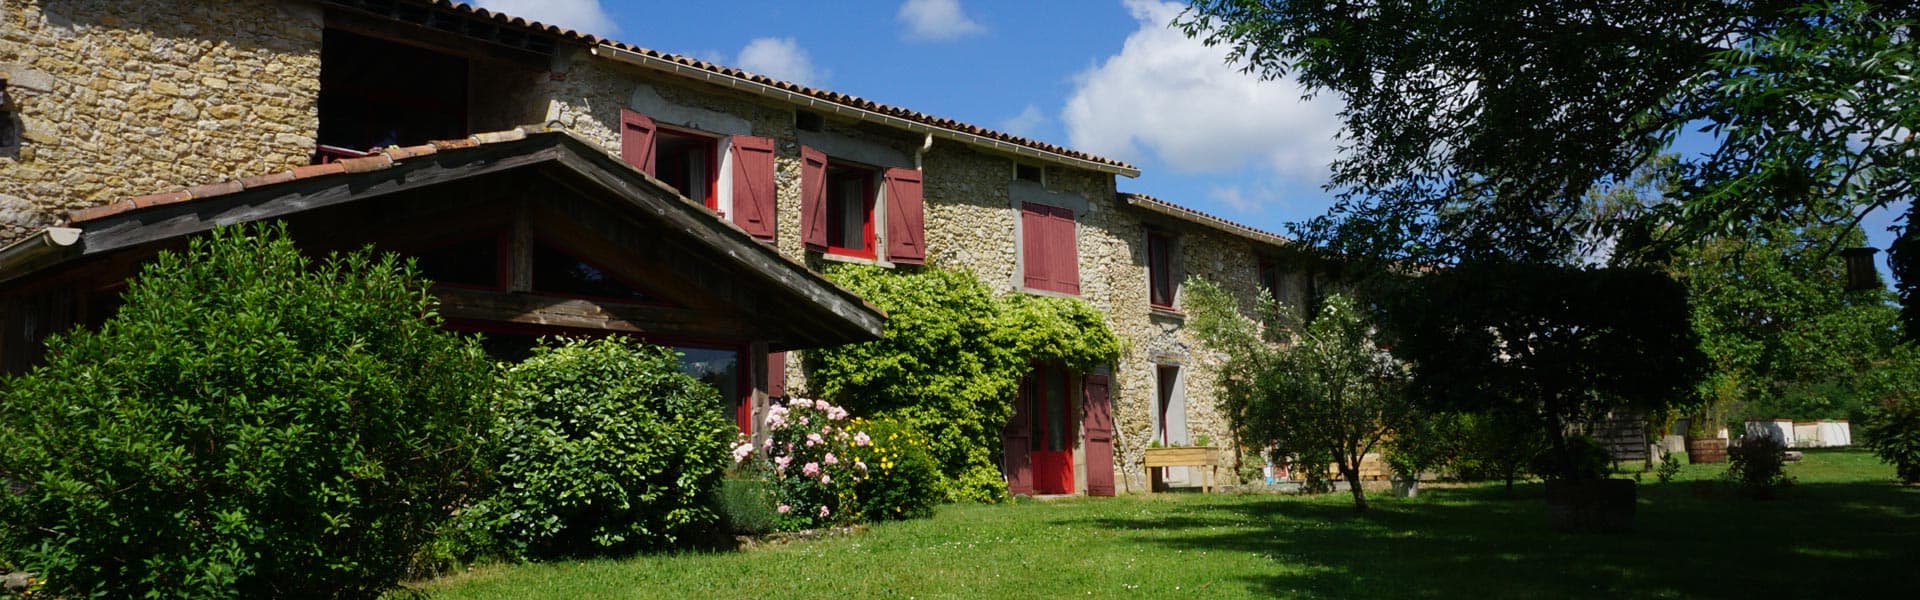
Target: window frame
[(715, 155), (868, 176)]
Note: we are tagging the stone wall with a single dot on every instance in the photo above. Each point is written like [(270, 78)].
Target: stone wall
[(119, 99)]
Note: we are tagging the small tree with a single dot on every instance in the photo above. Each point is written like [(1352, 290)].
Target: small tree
[(1322, 389), (252, 424)]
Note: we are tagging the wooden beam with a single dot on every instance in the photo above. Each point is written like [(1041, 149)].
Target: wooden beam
[(577, 313)]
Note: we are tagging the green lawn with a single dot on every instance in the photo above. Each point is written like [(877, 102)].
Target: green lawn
[(1843, 531)]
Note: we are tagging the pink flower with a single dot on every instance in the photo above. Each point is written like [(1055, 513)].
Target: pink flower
[(825, 479), (742, 451), (822, 405), (782, 462), (810, 469), (860, 465), (831, 459), (861, 439), (824, 512), (836, 413), (804, 420), (784, 509), (814, 439), (767, 444)]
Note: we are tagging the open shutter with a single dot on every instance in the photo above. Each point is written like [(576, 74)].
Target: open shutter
[(1098, 423), (906, 219), (813, 198), (636, 140), (1035, 228), (776, 374), (1065, 253), (753, 191), (1016, 442)]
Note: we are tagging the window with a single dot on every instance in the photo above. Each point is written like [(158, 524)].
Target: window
[(1169, 412), (688, 162), (692, 164), (1026, 172), (1050, 260), (1160, 276), (375, 93), (850, 210), (841, 207), (1270, 279)]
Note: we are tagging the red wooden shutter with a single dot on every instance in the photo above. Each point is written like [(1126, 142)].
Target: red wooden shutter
[(1065, 253), (636, 140), (776, 374), (753, 190), (813, 198), (906, 218), (1098, 423), (1016, 442), (1035, 227)]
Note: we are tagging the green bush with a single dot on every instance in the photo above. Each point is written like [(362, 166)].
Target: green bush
[(606, 448), (1758, 465), (1583, 458), (903, 480), (746, 500), (951, 360), (251, 424), (1893, 431)]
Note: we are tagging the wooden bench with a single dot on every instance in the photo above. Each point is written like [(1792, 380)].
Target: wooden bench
[(1184, 457)]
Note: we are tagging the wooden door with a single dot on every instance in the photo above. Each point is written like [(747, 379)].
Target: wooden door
[(1052, 426), (1098, 424), (1016, 447)]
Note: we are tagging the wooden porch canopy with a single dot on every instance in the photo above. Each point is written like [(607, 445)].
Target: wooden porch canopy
[(696, 276)]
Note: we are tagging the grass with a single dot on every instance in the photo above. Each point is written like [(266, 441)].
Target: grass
[(1843, 530)]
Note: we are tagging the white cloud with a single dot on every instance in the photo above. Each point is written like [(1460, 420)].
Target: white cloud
[(780, 58), (579, 15), (1234, 198), (1178, 99), (1025, 123), (937, 20)]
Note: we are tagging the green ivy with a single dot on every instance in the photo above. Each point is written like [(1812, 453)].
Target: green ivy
[(950, 362), (252, 424)]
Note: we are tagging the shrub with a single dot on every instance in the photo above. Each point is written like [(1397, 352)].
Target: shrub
[(252, 424), (746, 500), (1758, 464), (1669, 466), (1893, 431), (606, 448), (1583, 458), (814, 468), (903, 481)]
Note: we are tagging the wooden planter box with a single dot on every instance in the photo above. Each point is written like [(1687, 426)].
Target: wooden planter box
[(1191, 456)]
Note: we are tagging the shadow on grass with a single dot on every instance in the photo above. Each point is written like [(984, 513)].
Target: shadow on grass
[(1828, 540)]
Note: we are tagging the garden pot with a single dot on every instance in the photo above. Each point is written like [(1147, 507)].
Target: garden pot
[(1406, 486), (1591, 505), (1702, 451)]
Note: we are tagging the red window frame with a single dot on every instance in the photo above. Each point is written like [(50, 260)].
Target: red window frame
[(1162, 287), (839, 176), (702, 143)]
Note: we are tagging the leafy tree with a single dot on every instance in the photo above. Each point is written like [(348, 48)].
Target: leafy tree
[(951, 360), (1554, 347), (251, 424), (1323, 389), (1473, 129)]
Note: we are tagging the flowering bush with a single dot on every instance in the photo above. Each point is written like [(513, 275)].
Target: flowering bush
[(814, 468), (905, 479)]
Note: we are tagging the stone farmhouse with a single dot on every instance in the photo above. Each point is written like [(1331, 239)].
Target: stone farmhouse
[(554, 182)]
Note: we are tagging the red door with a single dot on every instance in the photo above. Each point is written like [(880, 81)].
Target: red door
[(1052, 431), (1016, 447), (1099, 426)]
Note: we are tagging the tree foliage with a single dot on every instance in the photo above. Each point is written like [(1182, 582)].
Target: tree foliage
[(1557, 347), (1322, 389), (951, 360), (251, 424), (605, 447), (1473, 129)]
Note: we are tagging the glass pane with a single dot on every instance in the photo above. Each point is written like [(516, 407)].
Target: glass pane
[(557, 272), (718, 368), (474, 262)]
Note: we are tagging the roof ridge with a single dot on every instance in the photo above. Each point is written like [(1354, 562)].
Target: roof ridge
[(1223, 222)]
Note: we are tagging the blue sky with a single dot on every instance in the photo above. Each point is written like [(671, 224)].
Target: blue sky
[(1102, 76)]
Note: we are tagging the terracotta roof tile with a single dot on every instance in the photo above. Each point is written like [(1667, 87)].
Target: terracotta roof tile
[(382, 159), (1202, 218), (827, 95)]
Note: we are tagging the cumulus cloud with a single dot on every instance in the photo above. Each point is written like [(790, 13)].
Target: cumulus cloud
[(937, 20), (1025, 123), (1174, 97), (1234, 198), (780, 58), (579, 15)]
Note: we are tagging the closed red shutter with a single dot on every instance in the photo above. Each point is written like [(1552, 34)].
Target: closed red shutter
[(776, 374), (1066, 254), (813, 198), (636, 140), (1035, 226), (753, 190), (906, 218)]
